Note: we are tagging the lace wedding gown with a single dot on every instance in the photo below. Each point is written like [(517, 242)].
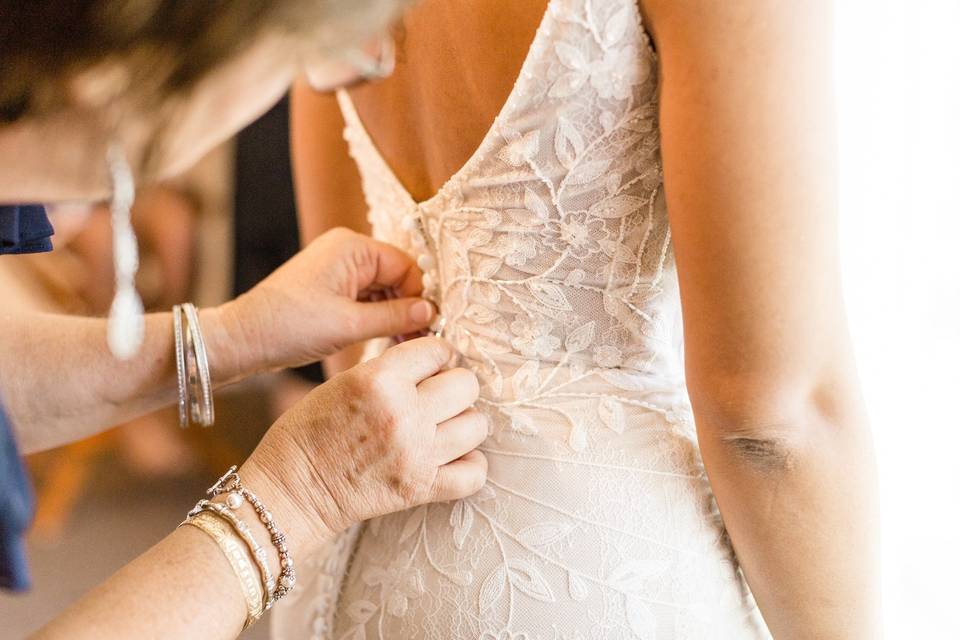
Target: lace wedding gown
[(555, 273)]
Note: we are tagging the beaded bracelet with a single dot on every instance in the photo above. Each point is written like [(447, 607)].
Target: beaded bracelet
[(230, 484), (234, 548)]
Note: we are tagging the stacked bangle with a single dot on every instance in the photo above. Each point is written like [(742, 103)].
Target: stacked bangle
[(240, 560), (202, 412), (182, 395), (258, 553), (194, 387), (230, 484), (231, 534)]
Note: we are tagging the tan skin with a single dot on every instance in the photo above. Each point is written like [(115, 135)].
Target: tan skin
[(748, 145)]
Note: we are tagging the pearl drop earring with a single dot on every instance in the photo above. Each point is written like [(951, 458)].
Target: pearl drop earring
[(125, 324)]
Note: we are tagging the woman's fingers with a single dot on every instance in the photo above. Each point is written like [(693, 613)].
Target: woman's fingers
[(448, 394), (359, 263), (460, 435), (390, 317), (415, 360), (388, 266), (461, 478)]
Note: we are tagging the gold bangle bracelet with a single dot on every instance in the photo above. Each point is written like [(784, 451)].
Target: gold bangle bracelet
[(243, 530), (238, 555)]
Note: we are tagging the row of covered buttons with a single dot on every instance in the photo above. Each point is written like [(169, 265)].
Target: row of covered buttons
[(413, 224)]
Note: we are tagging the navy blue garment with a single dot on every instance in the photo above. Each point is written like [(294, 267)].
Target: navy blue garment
[(16, 512), (23, 229)]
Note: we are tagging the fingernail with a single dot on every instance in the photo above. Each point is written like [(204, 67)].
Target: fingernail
[(421, 312)]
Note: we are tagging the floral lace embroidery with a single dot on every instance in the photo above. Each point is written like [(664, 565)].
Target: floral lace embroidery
[(557, 280)]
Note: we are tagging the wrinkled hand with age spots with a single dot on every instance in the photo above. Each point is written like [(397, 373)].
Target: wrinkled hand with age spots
[(391, 433), (342, 288)]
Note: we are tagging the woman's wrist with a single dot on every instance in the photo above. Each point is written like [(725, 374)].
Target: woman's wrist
[(233, 350), (304, 530)]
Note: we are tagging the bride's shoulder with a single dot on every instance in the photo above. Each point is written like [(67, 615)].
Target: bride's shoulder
[(687, 23)]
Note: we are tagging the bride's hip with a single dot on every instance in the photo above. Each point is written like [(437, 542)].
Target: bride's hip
[(585, 529), (596, 501), (567, 536)]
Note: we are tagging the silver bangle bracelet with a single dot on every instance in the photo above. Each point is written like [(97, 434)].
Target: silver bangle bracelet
[(181, 360), (194, 386), (199, 350)]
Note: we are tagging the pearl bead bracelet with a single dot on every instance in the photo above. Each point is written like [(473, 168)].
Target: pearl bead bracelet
[(237, 494)]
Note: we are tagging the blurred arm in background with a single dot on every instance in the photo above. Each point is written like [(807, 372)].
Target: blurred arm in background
[(326, 180)]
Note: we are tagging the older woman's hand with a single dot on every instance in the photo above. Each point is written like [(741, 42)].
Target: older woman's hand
[(391, 433), (328, 296)]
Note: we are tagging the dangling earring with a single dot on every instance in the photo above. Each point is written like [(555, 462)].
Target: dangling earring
[(125, 325)]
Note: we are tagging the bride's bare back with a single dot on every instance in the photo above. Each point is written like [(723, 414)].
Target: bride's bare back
[(458, 61)]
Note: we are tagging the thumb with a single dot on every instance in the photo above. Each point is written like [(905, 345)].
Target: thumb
[(394, 317)]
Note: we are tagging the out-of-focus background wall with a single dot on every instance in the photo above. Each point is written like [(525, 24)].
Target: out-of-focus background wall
[(898, 89)]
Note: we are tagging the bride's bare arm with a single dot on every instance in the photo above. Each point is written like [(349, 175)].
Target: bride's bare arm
[(327, 182), (748, 126)]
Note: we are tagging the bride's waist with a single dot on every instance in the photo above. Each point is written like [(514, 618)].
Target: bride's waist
[(648, 363), (593, 421), (511, 379)]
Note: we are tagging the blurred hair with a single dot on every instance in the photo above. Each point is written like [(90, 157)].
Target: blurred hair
[(162, 48)]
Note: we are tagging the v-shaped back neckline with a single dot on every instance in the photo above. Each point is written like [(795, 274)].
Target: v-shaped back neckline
[(353, 119)]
